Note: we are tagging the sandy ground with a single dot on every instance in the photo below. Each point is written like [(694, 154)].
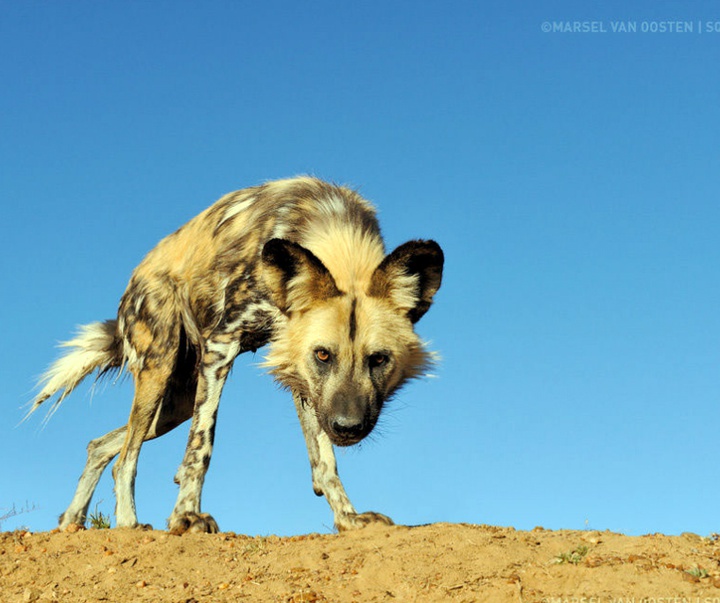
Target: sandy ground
[(439, 562)]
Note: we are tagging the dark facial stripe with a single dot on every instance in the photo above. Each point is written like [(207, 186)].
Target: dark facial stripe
[(353, 319)]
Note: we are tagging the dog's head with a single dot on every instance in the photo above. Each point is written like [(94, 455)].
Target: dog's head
[(345, 352)]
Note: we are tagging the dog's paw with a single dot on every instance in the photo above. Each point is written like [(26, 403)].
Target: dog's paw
[(355, 521), (71, 522), (193, 522)]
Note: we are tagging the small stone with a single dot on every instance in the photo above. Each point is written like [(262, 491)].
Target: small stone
[(49, 595), (31, 594), (591, 537)]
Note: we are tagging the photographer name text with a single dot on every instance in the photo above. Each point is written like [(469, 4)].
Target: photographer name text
[(632, 27)]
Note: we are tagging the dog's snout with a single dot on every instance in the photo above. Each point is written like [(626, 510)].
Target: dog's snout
[(348, 427), (349, 418)]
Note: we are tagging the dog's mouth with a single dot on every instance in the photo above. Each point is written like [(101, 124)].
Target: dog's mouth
[(344, 441)]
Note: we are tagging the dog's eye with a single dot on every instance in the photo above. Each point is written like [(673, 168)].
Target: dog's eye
[(322, 355), (377, 360)]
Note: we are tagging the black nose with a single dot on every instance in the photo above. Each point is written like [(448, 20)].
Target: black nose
[(348, 428)]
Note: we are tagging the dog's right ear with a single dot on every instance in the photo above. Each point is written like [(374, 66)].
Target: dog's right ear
[(295, 277)]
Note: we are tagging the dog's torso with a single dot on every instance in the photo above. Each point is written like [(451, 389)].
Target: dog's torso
[(208, 272)]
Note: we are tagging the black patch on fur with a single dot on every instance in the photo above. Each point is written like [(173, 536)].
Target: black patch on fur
[(353, 319), (251, 341)]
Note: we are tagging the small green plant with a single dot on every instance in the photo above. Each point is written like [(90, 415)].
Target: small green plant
[(575, 556), (98, 520), (256, 546), (698, 572)]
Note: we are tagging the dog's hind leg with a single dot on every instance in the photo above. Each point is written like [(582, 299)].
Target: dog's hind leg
[(176, 408), (151, 387), (325, 478), (100, 452), (174, 382)]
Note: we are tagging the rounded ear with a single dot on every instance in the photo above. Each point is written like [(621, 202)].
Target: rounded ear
[(295, 276), (410, 276)]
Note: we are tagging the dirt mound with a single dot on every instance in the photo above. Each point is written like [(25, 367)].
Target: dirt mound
[(439, 562)]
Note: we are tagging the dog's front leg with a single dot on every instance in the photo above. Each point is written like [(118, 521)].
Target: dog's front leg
[(326, 480), (186, 516)]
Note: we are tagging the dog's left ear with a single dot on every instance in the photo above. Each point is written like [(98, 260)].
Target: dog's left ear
[(295, 276), (410, 276)]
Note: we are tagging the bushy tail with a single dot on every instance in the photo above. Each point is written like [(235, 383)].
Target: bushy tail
[(97, 346)]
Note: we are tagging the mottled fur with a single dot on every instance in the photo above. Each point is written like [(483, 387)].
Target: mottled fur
[(296, 263)]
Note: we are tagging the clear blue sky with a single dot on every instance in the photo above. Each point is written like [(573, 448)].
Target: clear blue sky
[(573, 180)]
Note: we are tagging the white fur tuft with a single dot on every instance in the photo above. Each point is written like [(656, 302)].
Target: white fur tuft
[(94, 348)]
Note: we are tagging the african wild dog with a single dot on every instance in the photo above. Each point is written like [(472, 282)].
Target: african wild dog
[(298, 263)]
